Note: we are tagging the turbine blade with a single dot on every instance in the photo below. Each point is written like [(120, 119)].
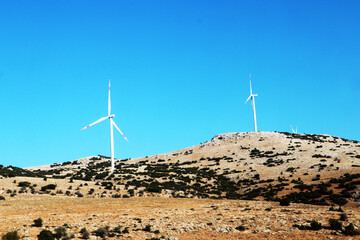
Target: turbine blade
[(119, 129), (292, 129), (97, 121), (248, 99), (109, 102)]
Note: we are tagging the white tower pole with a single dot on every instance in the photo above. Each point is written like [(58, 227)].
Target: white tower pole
[(112, 145), (111, 132), (253, 104)]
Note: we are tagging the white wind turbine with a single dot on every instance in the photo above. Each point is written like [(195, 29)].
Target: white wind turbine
[(293, 129), (112, 123), (252, 97)]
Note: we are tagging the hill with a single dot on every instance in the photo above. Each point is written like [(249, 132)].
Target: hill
[(201, 191), (263, 165)]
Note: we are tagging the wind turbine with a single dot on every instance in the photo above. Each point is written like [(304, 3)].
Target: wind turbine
[(252, 97), (293, 129), (112, 123)]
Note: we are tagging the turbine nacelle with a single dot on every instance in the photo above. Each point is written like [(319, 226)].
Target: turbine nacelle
[(111, 116)]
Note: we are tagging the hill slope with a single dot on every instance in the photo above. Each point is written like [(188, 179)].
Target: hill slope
[(263, 165), (299, 168)]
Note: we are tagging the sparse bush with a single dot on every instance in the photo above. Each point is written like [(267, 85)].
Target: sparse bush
[(350, 230), (85, 234), (335, 224), (48, 187), (2, 198), (45, 235), (60, 232), (101, 232), (24, 184), (38, 222), (343, 217), (116, 195), (284, 202), (117, 229), (147, 228), (314, 225), (240, 228), (11, 236), (79, 194)]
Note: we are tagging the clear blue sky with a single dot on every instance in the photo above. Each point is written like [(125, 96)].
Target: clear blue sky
[(179, 72)]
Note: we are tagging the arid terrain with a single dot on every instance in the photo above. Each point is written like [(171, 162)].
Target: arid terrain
[(172, 218), (236, 186)]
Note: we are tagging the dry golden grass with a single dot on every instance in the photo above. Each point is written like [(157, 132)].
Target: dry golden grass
[(177, 218)]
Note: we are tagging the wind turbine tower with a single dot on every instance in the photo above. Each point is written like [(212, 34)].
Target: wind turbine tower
[(112, 123), (252, 97)]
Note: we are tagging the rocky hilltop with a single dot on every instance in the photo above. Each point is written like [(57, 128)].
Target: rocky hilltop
[(263, 165)]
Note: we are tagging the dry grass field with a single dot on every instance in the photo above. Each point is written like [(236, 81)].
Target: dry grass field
[(170, 218)]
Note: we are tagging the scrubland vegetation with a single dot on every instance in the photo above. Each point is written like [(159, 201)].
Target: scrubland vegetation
[(308, 169)]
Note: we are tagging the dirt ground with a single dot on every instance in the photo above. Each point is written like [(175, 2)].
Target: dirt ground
[(170, 218)]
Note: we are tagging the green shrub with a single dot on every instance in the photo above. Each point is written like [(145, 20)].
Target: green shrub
[(314, 225), (45, 235), (79, 194), (117, 229), (343, 217), (350, 230), (60, 232), (101, 232), (38, 222), (48, 187), (240, 228), (147, 228), (2, 198), (335, 224), (284, 202), (11, 236), (24, 184), (85, 234)]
